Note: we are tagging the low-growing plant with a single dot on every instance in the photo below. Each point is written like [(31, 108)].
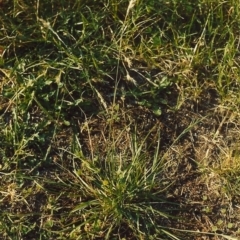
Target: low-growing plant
[(121, 194)]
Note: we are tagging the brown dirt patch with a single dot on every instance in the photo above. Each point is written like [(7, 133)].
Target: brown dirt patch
[(200, 186)]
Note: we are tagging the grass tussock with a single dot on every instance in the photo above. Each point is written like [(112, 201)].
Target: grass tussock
[(119, 119)]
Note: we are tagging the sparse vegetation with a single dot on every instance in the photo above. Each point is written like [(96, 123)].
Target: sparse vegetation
[(119, 119)]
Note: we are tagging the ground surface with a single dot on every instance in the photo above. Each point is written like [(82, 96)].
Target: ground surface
[(119, 120)]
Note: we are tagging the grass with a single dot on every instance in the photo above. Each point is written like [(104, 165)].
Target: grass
[(119, 119)]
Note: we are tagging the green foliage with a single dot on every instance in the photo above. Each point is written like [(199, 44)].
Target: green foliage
[(64, 62), (120, 190)]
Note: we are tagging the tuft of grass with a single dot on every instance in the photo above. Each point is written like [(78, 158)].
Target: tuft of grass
[(121, 194)]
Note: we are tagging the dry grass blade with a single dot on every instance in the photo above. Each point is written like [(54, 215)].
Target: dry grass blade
[(131, 5)]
